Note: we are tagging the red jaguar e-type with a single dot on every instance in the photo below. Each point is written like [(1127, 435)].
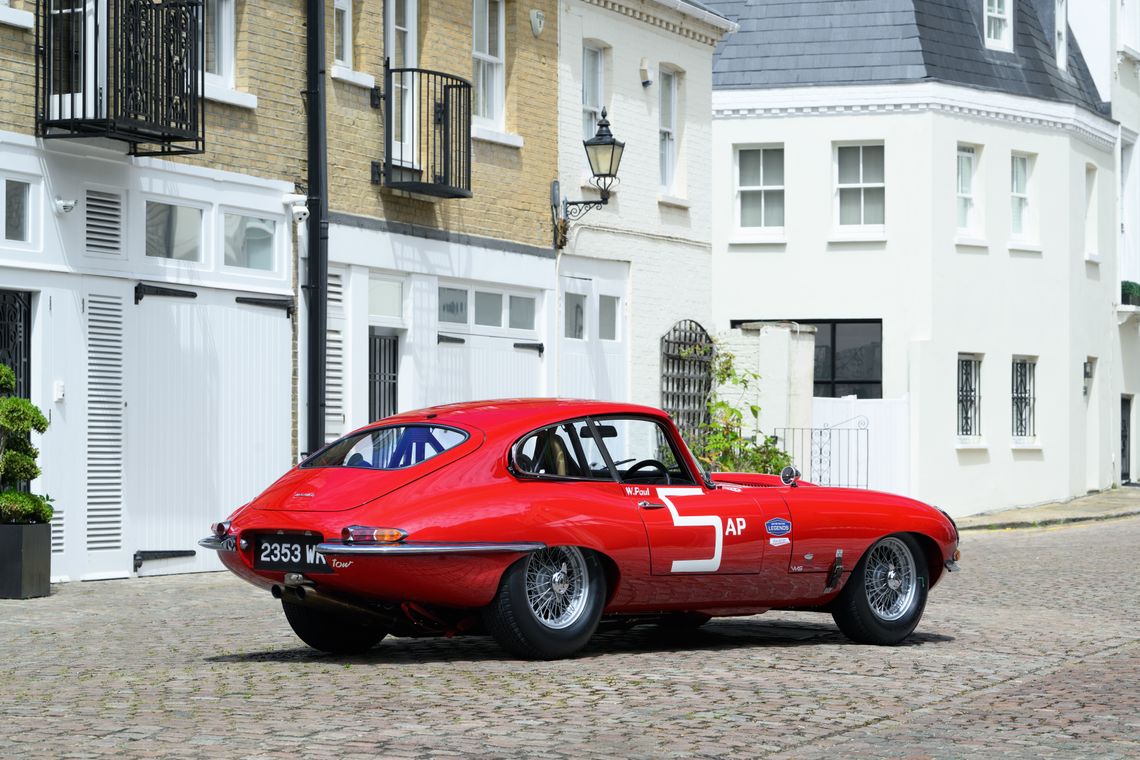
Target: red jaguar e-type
[(535, 519)]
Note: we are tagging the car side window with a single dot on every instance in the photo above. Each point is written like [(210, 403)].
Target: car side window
[(642, 451), (561, 451)]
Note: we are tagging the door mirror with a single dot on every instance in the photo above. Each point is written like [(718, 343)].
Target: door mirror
[(789, 475)]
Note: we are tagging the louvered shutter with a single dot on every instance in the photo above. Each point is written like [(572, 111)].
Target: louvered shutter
[(103, 220), (104, 422), (334, 359)]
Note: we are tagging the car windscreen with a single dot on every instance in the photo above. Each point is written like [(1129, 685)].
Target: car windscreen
[(388, 448)]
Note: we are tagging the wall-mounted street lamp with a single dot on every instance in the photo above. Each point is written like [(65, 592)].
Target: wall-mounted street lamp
[(603, 152)]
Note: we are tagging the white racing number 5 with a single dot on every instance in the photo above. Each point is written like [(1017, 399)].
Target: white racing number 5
[(690, 521)]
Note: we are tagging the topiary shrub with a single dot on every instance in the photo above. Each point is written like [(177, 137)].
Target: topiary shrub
[(18, 418), (1130, 293)]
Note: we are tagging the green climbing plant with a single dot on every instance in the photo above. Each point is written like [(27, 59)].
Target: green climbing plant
[(18, 418)]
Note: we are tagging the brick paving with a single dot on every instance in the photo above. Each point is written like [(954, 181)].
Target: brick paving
[(1031, 652)]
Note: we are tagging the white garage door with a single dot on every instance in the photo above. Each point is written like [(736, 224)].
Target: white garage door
[(209, 422), (475, 367), (592, 329)]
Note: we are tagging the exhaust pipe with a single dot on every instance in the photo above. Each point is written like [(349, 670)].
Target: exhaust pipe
[(308, 596)]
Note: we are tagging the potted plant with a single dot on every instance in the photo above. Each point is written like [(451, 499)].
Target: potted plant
[(1129, 293), (25, 532)]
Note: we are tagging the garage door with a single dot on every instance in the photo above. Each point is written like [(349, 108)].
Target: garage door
[(475, 367), (592, 329), (209, 423)]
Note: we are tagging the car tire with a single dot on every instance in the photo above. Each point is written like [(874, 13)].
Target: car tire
[(331, 632), (886, 594), (548, 603)]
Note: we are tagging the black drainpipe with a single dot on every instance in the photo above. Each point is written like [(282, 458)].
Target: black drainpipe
[(318, 280)]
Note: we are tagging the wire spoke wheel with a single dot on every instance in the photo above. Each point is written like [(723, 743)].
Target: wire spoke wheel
[(890, 579), (557, 587)]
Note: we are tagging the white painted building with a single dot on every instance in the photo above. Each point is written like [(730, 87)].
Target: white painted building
[(938, 203)]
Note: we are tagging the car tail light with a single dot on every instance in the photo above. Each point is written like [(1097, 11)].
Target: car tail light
[(363, 534), (220, 529)]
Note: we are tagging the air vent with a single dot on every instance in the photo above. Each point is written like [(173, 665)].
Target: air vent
[(104, 422), (334, 385), (336, 293), (104, 220), (57, 531)]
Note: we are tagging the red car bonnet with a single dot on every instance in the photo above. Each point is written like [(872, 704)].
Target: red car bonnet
[(336, 489)]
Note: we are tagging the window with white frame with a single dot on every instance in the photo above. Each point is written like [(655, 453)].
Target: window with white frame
[(342, 33), (593, 89), (1130, 24), (487, 308), (1023, 399), (967, 203), (17, 221), (1021, 210), (173, 232), (760, 187), (401, 29), (608, 317), (1061, 25), (218, 35), (860, 185), (1092, 213), (574, 326), (999, 24), (667, 84), (488, 55), (969, 396), (249, 241)]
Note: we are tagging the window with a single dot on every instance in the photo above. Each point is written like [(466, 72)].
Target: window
[(388, 448), (453, 305), (999, 24), (488, 60), (218, 33), (488, 309), (608, 317), (1021, 166), (848, 359), (342, 33), (385, 298), (593, 90), (1092, 214), (642, 452), (249, 241), (521, 313), (969, 396), (967, 209), (667, 83), (1061, 25), (760, 187), (860, 185), (575, 316), (400, 45), (173, 232), (1022, 397), (17, 210), (566, 450)]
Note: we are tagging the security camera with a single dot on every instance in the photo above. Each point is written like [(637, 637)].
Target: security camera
[(64, 206), (300, 213)]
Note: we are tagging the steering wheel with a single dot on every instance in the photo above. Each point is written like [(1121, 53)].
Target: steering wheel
[(645, 463)]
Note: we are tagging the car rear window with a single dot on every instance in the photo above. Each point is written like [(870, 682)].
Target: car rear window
[(388, 448)]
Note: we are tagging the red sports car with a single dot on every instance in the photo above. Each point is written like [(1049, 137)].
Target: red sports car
[(535, 519)]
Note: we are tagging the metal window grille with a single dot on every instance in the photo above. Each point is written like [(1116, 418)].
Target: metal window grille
[(1023, 398), (383, 374), (15, 337), (687, 354), (969, 396)]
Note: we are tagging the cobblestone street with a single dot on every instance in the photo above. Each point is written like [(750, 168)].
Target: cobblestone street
[(1031, 651)]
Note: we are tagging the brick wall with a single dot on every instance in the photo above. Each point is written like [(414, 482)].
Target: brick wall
[(18, 75)]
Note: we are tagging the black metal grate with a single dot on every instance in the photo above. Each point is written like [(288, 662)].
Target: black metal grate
[(1023, 397), (126, 69), (383, 375), (969, 396), (16, 337), (687, 354), (427, 133)]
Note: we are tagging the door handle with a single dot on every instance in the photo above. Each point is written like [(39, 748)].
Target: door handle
[(650, 505)]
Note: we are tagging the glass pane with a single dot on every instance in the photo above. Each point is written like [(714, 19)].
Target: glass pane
[(774, 167), (479, 99), (210, 29), (522, 313), (850, 206), (607, 317), (666, 159), (479, 24), (874, 210), (1020, 174), (750, 168), (400, 43), (751, 208), (823, 352), (385, 298), (667, 92), (390, 448), (488, 309), (453, 305), (494, 44), (858, 351), (16, 202), (249, 242), (401, 13), (823, 390), (173, 232), (340, 21), (965, 174), (849, 166), (589, 125), (631, 442), (1017, 211), (590, 85), (964, 205), (575, 316), (774, 208), (873, 163)]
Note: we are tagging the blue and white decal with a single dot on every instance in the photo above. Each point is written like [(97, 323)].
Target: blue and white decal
[(778, 526)]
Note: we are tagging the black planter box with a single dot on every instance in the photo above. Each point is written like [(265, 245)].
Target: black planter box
[(25, 561)]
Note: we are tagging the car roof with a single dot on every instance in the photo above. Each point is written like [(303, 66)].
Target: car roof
[(519, 414)]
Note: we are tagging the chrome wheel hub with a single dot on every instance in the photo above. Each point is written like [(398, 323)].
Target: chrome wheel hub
[(557, 586), (890, 580)]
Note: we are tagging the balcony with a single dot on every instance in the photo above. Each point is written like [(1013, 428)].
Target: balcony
[(128, 70), (427, 133)]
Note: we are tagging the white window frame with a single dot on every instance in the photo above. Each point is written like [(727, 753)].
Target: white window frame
[(763, 188), (592, 112), (1031, 391), (667, 79), (343, 56), (383, 320), (1092, 213), (975, 437), (225, 38), (1061, 33), (862, 227), (273, 272), (33, 212), (1129, 38), (966, 193), (1028, 232), (405, 148), (1005, 17), (206, 238), (504, 329), (495, 64)]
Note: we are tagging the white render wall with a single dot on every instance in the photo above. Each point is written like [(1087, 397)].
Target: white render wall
[(936, 293), (665, 238)]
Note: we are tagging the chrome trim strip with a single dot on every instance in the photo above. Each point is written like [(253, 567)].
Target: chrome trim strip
[(427, 547), (227, 544)]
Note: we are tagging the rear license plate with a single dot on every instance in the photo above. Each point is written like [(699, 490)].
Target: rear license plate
[(294, 554)]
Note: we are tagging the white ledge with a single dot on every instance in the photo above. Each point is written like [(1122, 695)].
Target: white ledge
[(971, 445), (18, 19), (964, 241), (1017, 247), (858, 236), (486, 134), (356, 78), (1025, 446), (776, 237), (230, 96), (1092, 258), (673, 200)]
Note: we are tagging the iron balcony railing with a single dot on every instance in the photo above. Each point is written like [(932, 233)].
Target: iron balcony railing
[(126, 69), (427, 133)]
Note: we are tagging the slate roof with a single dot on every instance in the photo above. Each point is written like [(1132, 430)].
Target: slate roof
[(837, 42)]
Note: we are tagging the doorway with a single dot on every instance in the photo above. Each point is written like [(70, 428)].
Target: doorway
[(1126, 439), (383, 373)]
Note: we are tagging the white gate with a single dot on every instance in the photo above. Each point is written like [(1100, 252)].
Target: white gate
[(591, 329)]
